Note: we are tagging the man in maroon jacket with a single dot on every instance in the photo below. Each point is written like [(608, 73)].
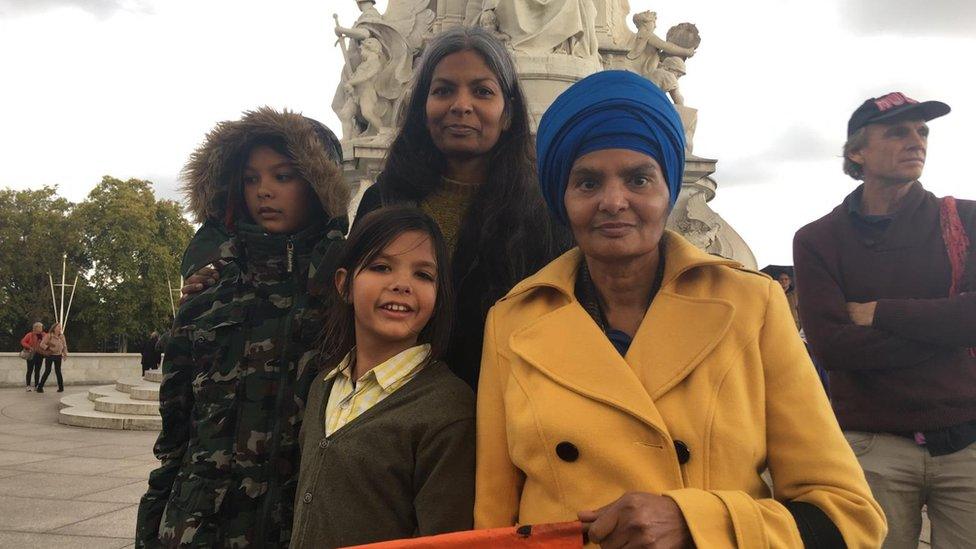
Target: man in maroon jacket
[(884, 285)]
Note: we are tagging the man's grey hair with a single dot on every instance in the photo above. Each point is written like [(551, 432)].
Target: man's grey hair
[(854, 143)]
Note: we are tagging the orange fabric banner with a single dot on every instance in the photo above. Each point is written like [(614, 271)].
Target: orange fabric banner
[(560, 535)]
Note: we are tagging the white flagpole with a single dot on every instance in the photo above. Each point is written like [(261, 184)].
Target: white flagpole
[(64, 324), (169, 288), (64, 267), (54, 301)]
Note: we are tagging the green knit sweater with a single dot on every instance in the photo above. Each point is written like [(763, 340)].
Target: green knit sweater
[(447, 205), (404, 468)]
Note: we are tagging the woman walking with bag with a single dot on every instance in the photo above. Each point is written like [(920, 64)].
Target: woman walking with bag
[(30, 344), (55, 349)]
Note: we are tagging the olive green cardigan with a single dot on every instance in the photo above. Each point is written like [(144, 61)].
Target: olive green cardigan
[(403, 468)]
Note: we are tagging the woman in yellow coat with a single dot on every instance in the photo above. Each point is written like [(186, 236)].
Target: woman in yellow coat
[(643, 386)]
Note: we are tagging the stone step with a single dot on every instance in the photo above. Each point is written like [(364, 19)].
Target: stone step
[(145, 392), (156, 376), (125, 384), (126, 405), (96, 393), (78, 411)]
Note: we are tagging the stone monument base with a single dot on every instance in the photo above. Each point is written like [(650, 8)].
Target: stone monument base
[(544, 77)]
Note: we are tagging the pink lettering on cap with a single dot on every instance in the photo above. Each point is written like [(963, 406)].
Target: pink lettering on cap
[(892, 100)]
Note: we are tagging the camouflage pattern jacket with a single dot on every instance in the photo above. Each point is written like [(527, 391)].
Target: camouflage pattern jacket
[(232, 398)]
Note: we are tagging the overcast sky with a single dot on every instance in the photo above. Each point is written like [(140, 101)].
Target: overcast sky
[(129, 88)]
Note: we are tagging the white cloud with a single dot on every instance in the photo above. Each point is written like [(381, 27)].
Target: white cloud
[(910, 17)]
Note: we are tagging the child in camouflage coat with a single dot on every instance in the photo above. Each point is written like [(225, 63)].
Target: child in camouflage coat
[(232, 398)]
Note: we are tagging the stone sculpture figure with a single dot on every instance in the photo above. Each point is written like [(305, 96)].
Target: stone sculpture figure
[(648, 47), (361, 93), (544, 27), (367, 95), (666, 77), (488, 20)]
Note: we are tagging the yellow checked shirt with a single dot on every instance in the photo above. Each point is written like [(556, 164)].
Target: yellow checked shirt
[(347, 401)]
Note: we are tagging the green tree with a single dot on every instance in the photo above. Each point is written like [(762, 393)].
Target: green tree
[(36, 229), (133, 242)]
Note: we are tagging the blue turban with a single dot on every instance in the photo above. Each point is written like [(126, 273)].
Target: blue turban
[(608, 110)]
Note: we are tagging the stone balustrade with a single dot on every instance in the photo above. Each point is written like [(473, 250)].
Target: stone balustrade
[(78, 369)]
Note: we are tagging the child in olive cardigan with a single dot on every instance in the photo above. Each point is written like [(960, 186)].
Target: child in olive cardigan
[(388, 437)]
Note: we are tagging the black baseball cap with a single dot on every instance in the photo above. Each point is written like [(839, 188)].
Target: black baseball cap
[(891, 106)]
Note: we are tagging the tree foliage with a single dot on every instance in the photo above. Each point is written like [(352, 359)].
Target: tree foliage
[(121, 241)]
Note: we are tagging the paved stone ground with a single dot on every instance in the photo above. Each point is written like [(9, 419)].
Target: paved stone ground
[(67, 486), (73, 487)]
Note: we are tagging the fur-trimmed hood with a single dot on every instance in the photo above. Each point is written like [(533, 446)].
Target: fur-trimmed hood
[(211, 169)]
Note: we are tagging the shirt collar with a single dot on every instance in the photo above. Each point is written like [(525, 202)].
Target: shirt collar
[(854, 199), (389, 372)]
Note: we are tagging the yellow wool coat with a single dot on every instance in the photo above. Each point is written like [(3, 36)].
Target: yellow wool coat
[(716, 368)]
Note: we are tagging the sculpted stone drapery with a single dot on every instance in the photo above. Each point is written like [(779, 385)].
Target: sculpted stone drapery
[(543, 27), (379, 64)]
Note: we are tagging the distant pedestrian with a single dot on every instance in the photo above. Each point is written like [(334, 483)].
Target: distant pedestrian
[(54, 348), (784, 275), (151, 353), (31, 343)]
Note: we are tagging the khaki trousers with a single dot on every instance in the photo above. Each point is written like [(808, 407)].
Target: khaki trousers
[(904, 477)]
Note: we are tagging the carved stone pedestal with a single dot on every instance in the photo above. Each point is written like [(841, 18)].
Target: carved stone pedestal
[(362, 162), (700, 224), (544, 77)]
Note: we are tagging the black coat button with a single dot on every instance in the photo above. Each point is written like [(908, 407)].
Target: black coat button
[(681, 449), (567, 451)]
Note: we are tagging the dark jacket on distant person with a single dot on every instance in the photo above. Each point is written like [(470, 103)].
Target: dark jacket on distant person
[(912, 370)]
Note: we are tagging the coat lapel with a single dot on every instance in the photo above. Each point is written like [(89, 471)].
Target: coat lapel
[(676, 334), (569, 348)]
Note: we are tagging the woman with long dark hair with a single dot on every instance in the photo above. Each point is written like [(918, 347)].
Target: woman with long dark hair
[(464, 154)]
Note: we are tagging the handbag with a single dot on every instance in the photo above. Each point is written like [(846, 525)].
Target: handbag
[(26, 354)]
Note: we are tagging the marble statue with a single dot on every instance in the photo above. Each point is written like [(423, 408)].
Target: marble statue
[(666, 76), (647, 47), (488, 20), (379, 64), (543, 27)]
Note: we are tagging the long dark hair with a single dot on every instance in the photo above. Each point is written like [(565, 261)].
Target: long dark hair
[(368, 238), (504, 235)]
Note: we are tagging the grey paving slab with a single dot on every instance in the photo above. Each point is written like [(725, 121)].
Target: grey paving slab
[(14, 460), (43, 515), (7, 439), (103, 436), (10, 427), (115, 524), (37, 432), (113, 451), (45, 445), (57, 486), (138, 471), (58, 541), (127, 493), (72, 465)]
